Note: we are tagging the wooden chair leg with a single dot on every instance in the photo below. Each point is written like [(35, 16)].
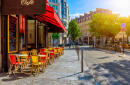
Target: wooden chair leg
[(23, 68), (43, 67), (38, 70), (31, 70), (15, 67), (9, 69)]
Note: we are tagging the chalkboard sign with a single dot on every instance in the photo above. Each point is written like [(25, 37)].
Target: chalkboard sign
[(12, 34)]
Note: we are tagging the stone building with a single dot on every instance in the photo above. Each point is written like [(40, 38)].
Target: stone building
[(83, 21)]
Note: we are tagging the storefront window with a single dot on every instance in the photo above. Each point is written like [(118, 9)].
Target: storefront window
[(41, 36), (12, 34), (22, 32)]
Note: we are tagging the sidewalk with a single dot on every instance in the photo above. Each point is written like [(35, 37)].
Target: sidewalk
[(101, 75), (64, 71)]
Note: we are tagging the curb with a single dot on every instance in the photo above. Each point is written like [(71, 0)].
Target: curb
[(88, 76)]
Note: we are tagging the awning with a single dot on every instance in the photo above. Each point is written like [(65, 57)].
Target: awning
[(120, 35), (54, 22)]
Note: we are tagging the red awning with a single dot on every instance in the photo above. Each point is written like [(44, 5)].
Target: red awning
[(47, 2), (54, 22)]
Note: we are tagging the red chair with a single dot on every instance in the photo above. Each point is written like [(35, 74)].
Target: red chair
[(15, 63), (43, 59), (62, 50), (51, 50), (43, 53), (52, 56), (42, 50)]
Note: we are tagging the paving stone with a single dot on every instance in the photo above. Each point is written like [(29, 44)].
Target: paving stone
[(61, 72)]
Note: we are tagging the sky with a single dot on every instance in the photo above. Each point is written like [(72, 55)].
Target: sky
[(79, 7)]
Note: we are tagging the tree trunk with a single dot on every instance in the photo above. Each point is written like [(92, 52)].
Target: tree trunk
[(113, 40), (127, 40), (106, 40)]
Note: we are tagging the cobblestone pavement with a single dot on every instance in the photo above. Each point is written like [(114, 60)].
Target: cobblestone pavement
[(115, 63), (64, 71)]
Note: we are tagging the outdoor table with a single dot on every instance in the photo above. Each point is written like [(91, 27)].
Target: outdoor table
[(31, 52), (42, 55), (48, 51), (20, 55)]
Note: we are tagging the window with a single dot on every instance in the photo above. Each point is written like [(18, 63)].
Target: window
[(22, 32), (56, 7), (56, 1), (83, 19), (86, 18), (64, 23), (64, 16), (49, 4), (53, 1), (89, 17), (53, 6)]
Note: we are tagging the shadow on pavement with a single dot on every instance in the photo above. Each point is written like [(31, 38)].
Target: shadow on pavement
[(18, 75), (69, 75), (104, 57), (120, 70)]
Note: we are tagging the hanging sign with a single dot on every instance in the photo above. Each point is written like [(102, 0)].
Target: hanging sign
[(10, 7)]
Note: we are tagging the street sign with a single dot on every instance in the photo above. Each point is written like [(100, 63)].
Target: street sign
[(123, 25), (123, 29)]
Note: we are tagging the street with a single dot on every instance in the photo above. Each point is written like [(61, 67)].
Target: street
[(107, 68)]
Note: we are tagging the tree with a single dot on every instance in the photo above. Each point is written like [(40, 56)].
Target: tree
[(55, 36), (73, 30), (127, 21), (104, 25)]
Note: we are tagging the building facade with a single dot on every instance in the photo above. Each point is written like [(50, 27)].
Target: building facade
[(83, 21), (62, 10), (21, 31)]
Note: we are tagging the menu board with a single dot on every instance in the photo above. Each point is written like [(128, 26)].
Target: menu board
[(12, 34)]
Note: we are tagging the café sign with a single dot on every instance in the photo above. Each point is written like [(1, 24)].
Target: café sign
[(15, 7), (26, 2)]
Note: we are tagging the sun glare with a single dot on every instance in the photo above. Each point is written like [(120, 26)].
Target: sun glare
[(121, 6), (121, 3)]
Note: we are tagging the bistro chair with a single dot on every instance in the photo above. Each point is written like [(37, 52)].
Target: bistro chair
[(25, 59), (56, 53), (50, 48), (45, 49), (43, 59), (35, 64), (15, 63), (35, 52), (47, 56), (62, 50), (42, 50), (51, 55)]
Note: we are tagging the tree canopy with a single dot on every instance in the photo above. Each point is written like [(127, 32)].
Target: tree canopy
[(73, 30), (104, 25), (55, 36)]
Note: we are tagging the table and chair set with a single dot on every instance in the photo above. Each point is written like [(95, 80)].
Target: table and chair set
[(37, 60)]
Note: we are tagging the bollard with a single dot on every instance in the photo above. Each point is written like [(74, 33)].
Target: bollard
[(78, 53), (81, 60)]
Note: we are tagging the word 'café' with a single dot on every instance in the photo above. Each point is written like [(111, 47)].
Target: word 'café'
[(25, 27)]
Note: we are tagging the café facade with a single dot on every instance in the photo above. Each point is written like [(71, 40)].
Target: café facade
[(25, 25)]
